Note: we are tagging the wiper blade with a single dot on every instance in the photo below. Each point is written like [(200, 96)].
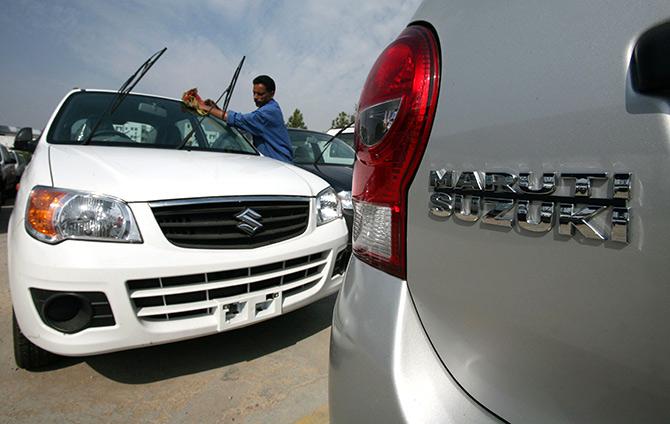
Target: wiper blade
[(231, 86), (125, 89), (228, 92), (330, 140)]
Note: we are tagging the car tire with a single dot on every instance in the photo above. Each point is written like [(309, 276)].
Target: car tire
[(26, 354)]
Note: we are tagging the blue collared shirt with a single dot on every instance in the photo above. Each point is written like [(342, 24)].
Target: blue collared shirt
[(266, 125)]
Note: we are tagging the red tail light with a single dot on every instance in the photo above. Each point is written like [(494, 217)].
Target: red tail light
[(395, 115)]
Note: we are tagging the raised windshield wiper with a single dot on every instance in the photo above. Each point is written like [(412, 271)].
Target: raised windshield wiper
[(228, 92), (330, 140), (125, 89)]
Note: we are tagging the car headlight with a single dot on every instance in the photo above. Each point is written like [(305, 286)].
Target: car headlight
[(54, 215), (345, 199), (328, 207)]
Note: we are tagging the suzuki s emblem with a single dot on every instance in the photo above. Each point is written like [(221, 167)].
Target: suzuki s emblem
[(249, 224)]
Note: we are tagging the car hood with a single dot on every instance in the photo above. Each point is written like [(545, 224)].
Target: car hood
[(145, 174), (339, 177)]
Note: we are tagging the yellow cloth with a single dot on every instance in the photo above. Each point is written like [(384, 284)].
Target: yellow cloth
[(192, 100)]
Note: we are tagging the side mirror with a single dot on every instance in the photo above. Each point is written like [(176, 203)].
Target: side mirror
[(24, 140)]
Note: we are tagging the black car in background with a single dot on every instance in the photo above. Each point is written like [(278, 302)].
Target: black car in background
[(22, 159), (331, 159)]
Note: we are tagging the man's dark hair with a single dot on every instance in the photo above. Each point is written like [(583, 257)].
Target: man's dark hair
[(268, 82)]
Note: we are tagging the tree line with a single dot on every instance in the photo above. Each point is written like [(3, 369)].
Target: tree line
[(296, 120)]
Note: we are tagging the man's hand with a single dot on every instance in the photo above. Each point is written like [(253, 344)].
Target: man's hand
[(210, 103), (211, 107)]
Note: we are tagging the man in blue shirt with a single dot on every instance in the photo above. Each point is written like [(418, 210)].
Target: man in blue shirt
[(265, 124)]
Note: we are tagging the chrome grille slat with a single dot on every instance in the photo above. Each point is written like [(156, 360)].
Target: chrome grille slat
[(188, 295), (153, 311), (213, 223), (211, 285)]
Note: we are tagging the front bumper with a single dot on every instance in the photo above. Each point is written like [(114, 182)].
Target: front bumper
[(382, 365), (302, 272)]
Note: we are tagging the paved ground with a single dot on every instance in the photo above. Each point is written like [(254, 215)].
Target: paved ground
[(276, 371)]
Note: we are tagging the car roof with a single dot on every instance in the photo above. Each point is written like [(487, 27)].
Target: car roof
[(306, 131), (102, 90), (335, 130)]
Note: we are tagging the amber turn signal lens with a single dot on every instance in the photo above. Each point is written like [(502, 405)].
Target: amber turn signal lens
[(42, 206)]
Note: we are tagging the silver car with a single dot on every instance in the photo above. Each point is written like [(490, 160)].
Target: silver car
[(510, 243)]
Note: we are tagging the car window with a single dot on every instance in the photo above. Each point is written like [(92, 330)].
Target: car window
[(142, 121), (311, 146), (137, 131), (347, 138)]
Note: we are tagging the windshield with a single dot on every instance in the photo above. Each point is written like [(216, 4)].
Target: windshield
[(307, 146), (142, 121)]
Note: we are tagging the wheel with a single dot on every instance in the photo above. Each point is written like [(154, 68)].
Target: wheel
[(27, 355)]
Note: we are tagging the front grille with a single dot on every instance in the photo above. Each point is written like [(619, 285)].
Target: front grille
[(166, 298), (232, 223)]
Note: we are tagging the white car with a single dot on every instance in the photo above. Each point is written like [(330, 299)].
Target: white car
[(161, 226), (346, 134)]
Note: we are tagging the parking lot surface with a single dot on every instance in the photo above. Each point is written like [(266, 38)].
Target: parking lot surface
[(276, 371)]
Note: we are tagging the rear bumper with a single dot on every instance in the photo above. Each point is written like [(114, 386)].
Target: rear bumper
[(382, 366)]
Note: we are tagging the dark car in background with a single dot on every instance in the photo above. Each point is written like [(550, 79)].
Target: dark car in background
[(8, 178), (331, 159), (22, 158)]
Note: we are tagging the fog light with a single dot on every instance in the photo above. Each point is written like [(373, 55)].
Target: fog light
[(67, 312)]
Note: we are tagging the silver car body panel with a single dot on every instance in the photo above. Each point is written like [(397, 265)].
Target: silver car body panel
[(534, 327), (543, 327), (382, 366)]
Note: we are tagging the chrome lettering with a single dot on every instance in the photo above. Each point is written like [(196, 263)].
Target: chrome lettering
[(470, 181), (499, 182), (536, 202), (540, 224), (469, 211), (620, 221), (441, 179), (621, 186), (583, 182), (548, 183), (496, 216), (441, 205), (570, 218)]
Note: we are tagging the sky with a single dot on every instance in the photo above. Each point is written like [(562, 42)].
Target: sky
[(318, 52)]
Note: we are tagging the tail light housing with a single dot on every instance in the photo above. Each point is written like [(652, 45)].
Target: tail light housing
[(395, 115)]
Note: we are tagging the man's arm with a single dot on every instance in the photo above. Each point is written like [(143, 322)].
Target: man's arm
[(253, 122), (214, 110)]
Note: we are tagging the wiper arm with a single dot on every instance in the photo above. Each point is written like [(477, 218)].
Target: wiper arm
[(125, 89), (228, 92), (330, 140)]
